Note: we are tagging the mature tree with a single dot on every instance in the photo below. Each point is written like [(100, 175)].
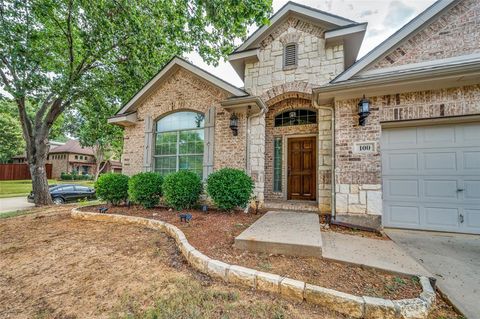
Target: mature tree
[(93, 131), (53, 52), (11, 140)]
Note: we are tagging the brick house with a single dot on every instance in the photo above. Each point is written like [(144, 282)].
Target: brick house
[(412, 160), (71, 156)]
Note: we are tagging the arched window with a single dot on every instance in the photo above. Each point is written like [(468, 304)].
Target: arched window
[(179, 140), (296, 117)]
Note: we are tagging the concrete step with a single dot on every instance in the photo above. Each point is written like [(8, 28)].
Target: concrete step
[(283, 232), (292, 205)]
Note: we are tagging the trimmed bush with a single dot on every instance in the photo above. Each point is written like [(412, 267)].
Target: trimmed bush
[(182, 189), (145, 189), (229, 188), (112, 188)]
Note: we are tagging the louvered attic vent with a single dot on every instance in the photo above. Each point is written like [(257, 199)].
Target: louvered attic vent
[(290, 55)]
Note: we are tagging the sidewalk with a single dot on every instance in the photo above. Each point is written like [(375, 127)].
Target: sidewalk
[(14, 203), (376, 253)]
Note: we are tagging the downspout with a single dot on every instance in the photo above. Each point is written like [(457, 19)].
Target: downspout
[(333, 204)]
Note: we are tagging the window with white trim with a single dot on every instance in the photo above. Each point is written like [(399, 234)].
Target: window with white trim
[(290, 55), (179, 142)]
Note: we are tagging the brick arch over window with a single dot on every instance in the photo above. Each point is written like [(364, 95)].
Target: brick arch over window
[(300, 90)]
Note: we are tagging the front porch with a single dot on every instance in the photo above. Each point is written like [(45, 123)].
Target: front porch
[(283, 232)]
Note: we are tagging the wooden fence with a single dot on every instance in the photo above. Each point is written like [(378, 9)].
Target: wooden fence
[(19, 171)]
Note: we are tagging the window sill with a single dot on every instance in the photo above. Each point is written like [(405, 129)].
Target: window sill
[(290, 67)]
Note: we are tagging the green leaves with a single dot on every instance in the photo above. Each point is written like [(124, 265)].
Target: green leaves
[(230, 188)]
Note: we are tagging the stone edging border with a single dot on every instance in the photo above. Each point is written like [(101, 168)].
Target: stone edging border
[(348, 304)]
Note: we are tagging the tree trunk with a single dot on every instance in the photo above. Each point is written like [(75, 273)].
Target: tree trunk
[(40, 184)]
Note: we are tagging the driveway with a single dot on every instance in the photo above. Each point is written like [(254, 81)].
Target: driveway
[(14, 203), (454, 259)]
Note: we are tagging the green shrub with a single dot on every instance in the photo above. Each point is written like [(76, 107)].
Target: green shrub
[(112, 188), (229, 188), (145, 189), (65, 177), (182, 189)]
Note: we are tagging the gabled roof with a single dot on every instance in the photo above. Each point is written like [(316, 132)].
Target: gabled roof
[(72, 146), (166, 71), (301, 10), (393, 41)]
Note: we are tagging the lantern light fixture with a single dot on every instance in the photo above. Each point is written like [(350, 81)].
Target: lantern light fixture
[(234, 124), (363, 110)]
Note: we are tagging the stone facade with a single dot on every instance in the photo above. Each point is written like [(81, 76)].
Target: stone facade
[(455, 33), (317, 65), (185, 91), (358, 176)]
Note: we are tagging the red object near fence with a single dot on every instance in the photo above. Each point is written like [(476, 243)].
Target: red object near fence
[(10, 172)]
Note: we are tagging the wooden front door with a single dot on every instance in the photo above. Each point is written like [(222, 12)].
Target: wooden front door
[(302, 168)]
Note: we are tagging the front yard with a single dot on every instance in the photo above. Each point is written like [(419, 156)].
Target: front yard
[(24, 187), (52, 266)]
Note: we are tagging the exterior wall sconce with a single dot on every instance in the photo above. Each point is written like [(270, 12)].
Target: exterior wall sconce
[(363, 111), (234, 124)]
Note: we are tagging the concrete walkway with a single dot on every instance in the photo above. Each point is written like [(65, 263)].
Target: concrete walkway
[(454, 259), (381, 254), (287, 233), (14, 203)]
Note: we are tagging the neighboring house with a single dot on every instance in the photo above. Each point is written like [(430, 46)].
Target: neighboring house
[(71, 156), (295, 127), (19, 159)]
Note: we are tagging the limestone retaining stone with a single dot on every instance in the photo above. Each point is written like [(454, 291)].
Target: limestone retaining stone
[(198, 260), (242, 275), (379, 308), (412, 308), (292, 289), (353, 306), (217, 268), (268, 282), (341, 302)]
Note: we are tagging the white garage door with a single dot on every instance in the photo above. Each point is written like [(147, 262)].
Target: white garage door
[(431, 177)]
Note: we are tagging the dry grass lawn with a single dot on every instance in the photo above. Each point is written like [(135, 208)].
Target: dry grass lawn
[(52, 266)]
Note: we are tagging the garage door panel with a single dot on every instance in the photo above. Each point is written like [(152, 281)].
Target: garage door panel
[(402, 163), (440, 160), (438, 135), (471, 160), (431, 177), (441, 217), (471, 219), (472, 190), (402, 189), (406, 138), (470, 133), (404, 215), (434, 189)]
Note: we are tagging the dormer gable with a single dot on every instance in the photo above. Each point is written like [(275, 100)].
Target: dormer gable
[(334, 29)]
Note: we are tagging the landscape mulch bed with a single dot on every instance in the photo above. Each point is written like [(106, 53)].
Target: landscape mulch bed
[(213, 233)]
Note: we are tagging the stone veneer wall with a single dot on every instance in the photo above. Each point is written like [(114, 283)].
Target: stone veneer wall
[(185, 91), (455, 33), (266, 78), (358, 176), (316, 64)]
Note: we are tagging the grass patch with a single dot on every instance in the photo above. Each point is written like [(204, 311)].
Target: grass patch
[(14, 213), (24, 187), (184, 298)]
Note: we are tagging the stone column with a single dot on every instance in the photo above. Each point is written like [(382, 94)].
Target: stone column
[(257, 155)]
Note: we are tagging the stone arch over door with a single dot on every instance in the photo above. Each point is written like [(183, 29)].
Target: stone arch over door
[(300, 90)]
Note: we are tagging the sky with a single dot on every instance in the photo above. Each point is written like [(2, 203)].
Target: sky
[(384, 17)]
